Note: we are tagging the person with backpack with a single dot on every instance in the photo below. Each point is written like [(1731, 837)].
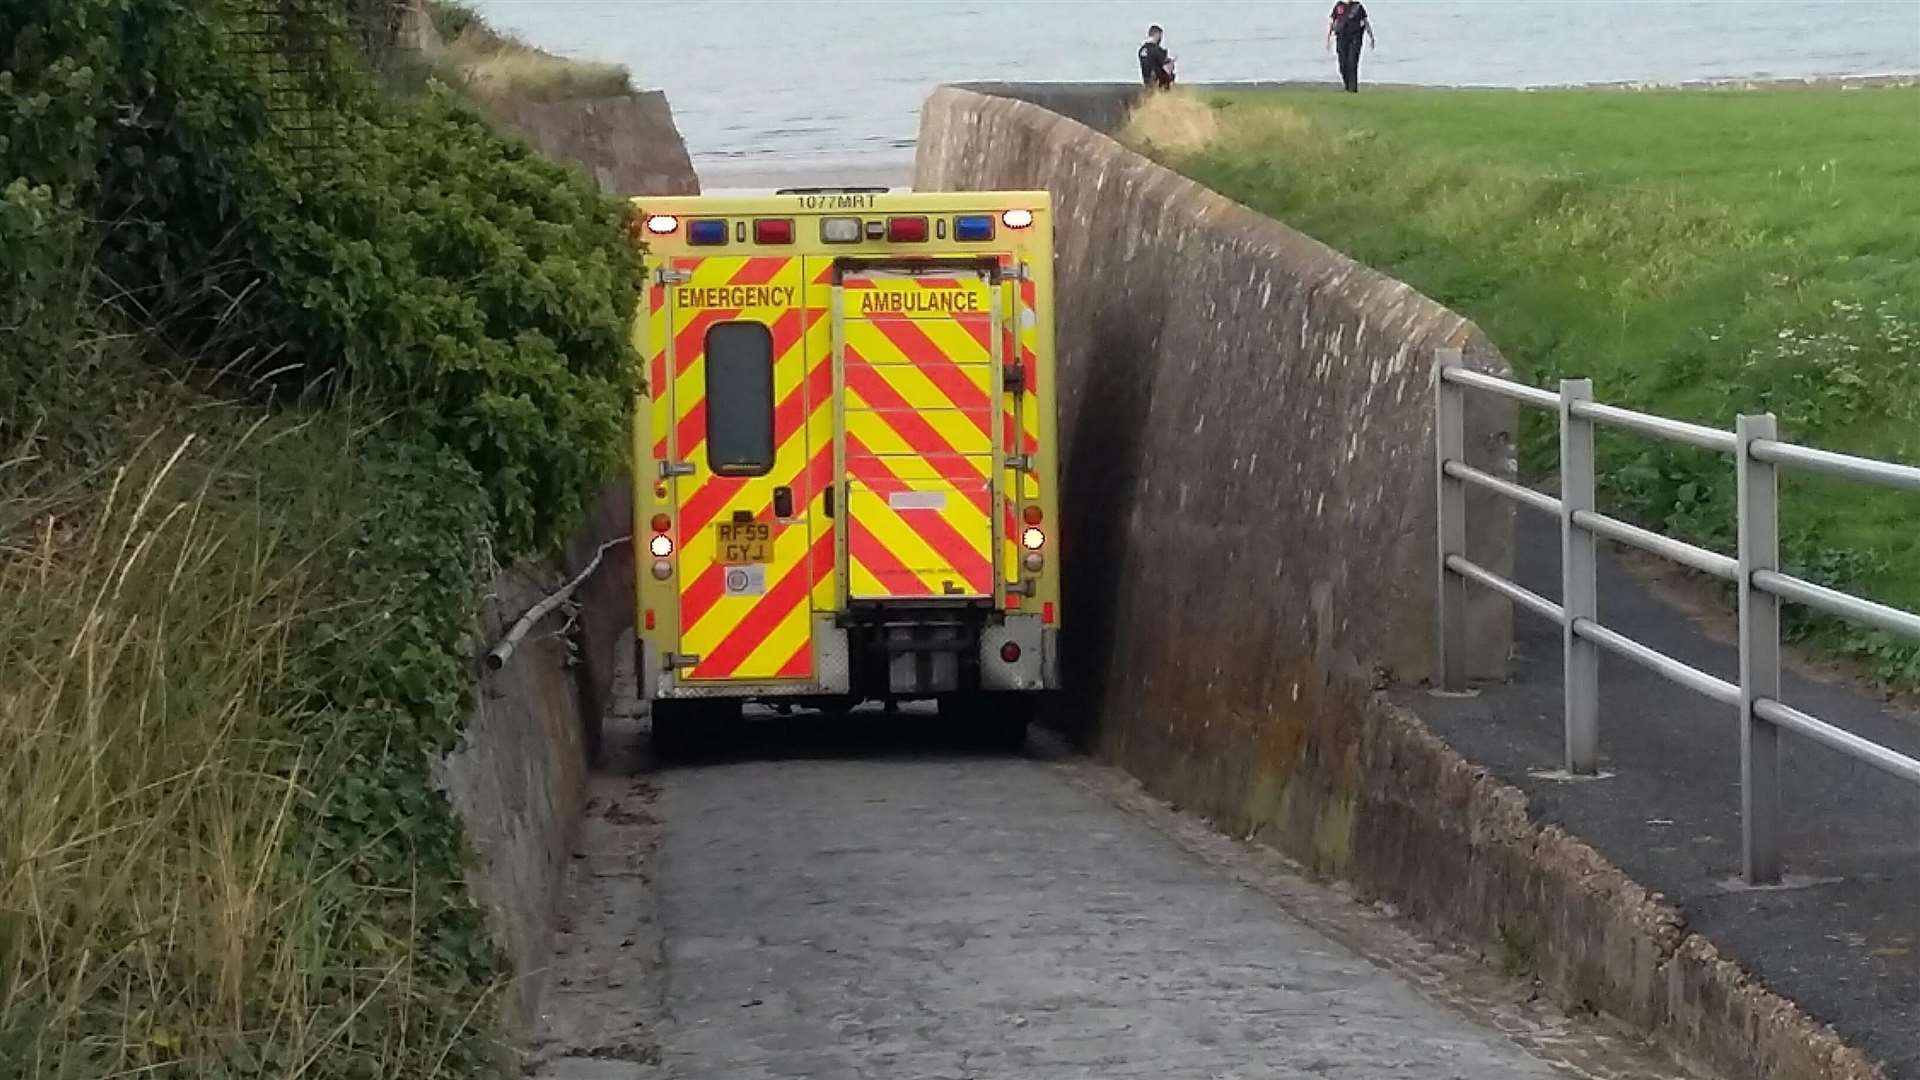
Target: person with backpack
[(1156, 64), (1348, 22)]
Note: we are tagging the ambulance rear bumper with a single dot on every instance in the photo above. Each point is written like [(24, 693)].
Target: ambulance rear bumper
[(1036, 668)]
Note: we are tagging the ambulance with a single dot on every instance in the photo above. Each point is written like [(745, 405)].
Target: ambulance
[(844, 455)]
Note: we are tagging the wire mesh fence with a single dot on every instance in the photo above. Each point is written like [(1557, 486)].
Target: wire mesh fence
[(299, 48)]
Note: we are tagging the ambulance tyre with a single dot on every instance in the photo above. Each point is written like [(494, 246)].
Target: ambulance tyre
[(1005, 729), (682, 728), (672, 729), (994, 723)]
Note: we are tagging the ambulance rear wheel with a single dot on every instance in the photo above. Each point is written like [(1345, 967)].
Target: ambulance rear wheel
[(1004, 731), (672, 729), (683, 728), (992, 723)]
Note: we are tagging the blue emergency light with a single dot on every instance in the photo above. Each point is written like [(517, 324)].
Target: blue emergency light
[(709, 232), (973, 227)]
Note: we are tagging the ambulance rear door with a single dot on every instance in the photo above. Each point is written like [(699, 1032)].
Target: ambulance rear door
[(738, 455), (917, 371)]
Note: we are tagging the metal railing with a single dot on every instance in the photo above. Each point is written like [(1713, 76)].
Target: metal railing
[(1756, 574)]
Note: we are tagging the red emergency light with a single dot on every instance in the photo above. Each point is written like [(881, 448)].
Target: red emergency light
[(907, 230), (773, 230)]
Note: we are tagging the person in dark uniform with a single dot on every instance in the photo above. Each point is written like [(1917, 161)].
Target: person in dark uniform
[(1156, 65), (1345, 27)]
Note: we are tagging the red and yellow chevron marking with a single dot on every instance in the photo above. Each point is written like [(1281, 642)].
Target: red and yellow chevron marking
[(741, 637), (919, 415)]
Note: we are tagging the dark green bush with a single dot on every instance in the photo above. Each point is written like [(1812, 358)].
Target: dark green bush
[(441, 272), (479, 290), (469, 301)]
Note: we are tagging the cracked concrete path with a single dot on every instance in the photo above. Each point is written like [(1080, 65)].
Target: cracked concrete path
[(855, 900)]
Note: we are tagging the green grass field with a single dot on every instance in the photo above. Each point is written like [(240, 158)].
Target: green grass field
[(1696, 254)]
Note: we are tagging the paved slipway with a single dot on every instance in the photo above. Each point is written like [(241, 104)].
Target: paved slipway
[(865, 898)]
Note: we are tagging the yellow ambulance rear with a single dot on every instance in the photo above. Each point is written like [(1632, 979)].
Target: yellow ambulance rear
[(845, 455)]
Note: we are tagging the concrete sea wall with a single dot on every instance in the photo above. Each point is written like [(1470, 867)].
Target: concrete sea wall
[(1246, 433), (1248, 537), (628, 143)]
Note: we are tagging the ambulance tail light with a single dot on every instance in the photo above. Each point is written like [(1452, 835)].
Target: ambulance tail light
[(907, 230), (707, 232), (973, 227), (773, 230), (662, 224), (840, 230), (1033, 539), (1017, 219), (1033, 515), (661, 545)]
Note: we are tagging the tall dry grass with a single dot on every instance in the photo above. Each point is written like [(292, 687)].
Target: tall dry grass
[(1175, 124), (147, 782), (1182, 125), (489, 64), (155, 917)]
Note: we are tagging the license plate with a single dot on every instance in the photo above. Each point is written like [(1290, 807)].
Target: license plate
[(743, 542)]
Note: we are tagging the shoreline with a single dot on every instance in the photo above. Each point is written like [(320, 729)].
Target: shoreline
[(894, 169), (724, 176)]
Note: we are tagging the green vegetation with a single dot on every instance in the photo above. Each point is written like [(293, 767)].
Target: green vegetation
[(269, 413), (490, 64), (1696, 254)]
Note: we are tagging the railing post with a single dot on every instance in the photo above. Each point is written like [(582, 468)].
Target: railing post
[(1579, 588), (1759, 510), (1450, 509)]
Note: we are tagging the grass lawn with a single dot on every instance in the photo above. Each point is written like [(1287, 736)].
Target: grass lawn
[(1696, 254)]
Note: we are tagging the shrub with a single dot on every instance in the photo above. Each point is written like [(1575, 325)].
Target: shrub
[(224, 854)]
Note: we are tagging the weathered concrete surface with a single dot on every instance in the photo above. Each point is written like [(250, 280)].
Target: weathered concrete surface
[(516, 779), (962, 918), (601, 1012), (1248, 477), (853, 898), (1248, 540), (1246, 420), (628, 144)]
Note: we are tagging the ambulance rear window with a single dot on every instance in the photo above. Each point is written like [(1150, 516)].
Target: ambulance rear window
[(740, 399)]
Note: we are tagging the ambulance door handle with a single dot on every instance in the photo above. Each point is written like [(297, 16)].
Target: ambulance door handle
[(783, 501), (1016, 378), (826, 499)]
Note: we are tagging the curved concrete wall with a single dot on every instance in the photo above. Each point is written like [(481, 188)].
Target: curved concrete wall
[(1246, 430), (1248, 542)]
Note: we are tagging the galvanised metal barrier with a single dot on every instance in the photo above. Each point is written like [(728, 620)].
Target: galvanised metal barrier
[(1758, 455)]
